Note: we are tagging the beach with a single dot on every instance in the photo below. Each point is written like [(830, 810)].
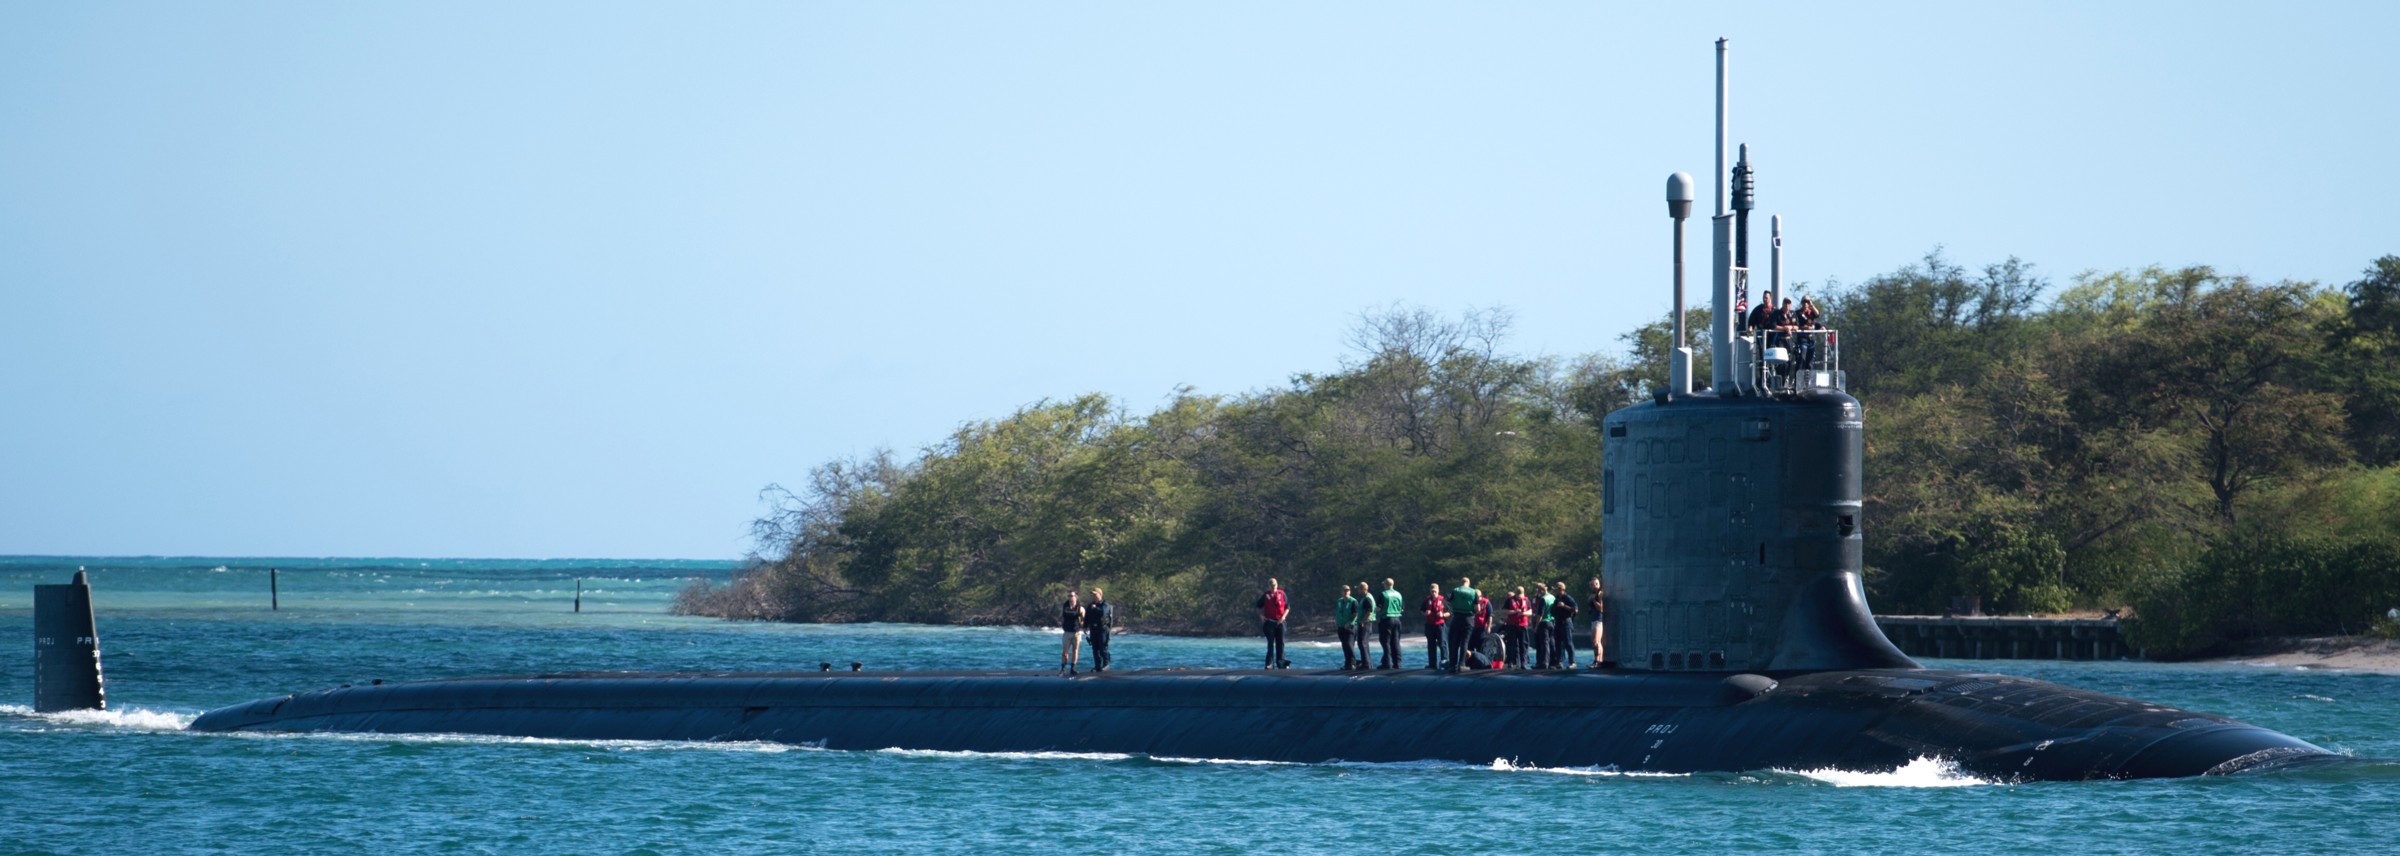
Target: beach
[(2349, 653)]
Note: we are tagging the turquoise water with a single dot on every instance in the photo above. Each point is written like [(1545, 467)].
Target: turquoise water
[(179, 636)]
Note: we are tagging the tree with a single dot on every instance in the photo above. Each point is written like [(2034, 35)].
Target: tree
[(2227, 362), (1599, 384), (1930, 323), (2146, 437), (2364, 359)]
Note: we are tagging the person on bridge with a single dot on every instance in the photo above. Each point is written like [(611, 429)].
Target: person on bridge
[(1808, 319), (1757, 322)]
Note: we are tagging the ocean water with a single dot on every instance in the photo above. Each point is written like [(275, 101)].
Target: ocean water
[(180, 636)]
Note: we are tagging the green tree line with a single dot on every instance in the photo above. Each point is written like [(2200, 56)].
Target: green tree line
[(2219, 453)]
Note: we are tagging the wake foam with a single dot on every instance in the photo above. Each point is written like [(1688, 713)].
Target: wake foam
[(1228, 762), (1919, 773), (1504, 765), (131, 719), (1501, 765), (1010, 756)]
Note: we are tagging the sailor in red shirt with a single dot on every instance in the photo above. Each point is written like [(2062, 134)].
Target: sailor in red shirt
[(1436, 609), (1514, 611), (1482, 624), (1273, 608)]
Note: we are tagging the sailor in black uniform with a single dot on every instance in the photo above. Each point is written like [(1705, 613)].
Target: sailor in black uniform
[(1562, 628), (1098, 618), (1070, 621)]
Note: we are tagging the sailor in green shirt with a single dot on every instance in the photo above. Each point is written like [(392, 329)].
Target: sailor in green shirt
[(1462, 620), (1345, 621), (1387, 626)]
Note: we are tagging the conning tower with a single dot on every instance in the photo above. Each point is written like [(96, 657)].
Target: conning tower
[(1731, 517)]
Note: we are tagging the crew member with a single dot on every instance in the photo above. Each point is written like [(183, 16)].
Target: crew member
[(1462, 627), (1491, 653), (1781, 323), (1562, 628), (1368, 607), (1387, 626), (1070, 619), (1593, 610), (1545, 648), (1513, 629), (1098, 619), (1808, 318), (1481, 625), (1436, 611), (1273, 608), (1345, 614), (1757, 322)]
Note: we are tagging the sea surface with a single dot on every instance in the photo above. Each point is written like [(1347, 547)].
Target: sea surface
[(183, 635)]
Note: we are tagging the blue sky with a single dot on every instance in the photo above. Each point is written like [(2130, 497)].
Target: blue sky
[(577, 279)]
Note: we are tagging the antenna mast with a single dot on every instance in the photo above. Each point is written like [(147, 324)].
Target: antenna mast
[(1720, 322)]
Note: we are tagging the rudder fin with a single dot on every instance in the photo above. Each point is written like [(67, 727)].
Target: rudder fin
[(66, 649)]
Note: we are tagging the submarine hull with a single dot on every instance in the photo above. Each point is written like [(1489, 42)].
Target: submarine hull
[(1992, 726)]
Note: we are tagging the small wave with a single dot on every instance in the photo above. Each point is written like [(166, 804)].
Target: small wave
[(1919, 773), (1012, 756), (132, 718), (1504, 765), (2312, 697), (1497, 764), (1230, 762)]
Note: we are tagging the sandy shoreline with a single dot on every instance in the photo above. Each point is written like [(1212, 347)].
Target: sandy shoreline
[(2350, 653)]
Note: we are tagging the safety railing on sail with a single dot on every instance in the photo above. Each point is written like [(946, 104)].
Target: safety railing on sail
[(1786, 362)]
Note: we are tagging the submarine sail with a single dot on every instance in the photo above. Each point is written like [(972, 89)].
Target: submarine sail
[(1738, 633)]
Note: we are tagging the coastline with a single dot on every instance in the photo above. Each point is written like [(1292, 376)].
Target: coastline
[(2347, 653)]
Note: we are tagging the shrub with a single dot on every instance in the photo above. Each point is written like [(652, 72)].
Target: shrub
[(2257, 586)]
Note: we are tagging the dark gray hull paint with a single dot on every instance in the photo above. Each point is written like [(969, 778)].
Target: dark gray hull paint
[(1990, 725)]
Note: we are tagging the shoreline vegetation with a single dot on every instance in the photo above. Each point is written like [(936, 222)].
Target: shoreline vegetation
[(2220, 454)]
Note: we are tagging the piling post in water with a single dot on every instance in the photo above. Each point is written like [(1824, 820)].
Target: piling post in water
[(578, 594), (274, 592)]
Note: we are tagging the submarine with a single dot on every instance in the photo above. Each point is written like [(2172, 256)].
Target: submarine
[(1738, 633)]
